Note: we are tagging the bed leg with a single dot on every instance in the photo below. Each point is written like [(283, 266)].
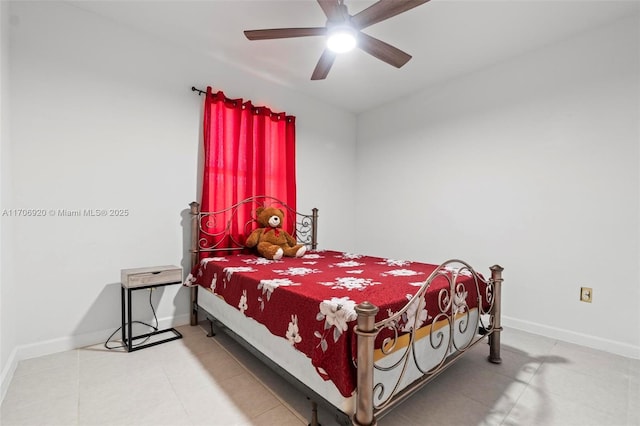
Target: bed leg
[(211, 333), (314, 414), (365, 330), (193, 319), (194, 211), (496, 312)]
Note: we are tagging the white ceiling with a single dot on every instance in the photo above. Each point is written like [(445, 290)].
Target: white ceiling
[(447, 38)]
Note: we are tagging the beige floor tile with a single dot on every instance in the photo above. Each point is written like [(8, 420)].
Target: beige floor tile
[(198, 381), (47, 411), (538, 407), (163, 414), (603, 394), (200, 344), (279, 416), (280, 387), (249, 395), (54, 382), (531, 344), (67, 359), (484, 384), (188, 330), (396, 418), (221, 366), (209, 405), (590, 361), (98, 371), (440, 404), (515, 363), (326, 416), (284, 391), (118, 400), (633, 413), (185, 376)]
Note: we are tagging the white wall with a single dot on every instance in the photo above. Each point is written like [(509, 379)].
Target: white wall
[(7, 284), (103, 117), (532, 164)]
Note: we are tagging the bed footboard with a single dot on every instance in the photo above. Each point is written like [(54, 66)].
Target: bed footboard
[(374, 398)]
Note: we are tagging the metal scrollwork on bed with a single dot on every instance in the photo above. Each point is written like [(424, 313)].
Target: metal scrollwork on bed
[(374, 398), (302, 226), (221, 227)]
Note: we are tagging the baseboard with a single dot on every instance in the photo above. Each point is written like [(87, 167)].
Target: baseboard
[(7, 373), (612, 346), (68, 343)]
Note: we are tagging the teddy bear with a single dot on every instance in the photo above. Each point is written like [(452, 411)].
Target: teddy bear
[(271, 240)]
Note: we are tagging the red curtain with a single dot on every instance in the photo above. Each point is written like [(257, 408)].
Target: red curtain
[(248, 151)]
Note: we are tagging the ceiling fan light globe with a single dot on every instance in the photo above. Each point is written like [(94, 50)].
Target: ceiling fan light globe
[(341, 40)]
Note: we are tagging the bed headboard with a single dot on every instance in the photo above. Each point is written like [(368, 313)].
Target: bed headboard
[(232, 225)]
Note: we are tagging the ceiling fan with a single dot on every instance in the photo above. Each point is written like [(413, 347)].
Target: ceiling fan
[(342, 25)]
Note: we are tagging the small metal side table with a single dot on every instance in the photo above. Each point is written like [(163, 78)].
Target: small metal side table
[(140, 279)]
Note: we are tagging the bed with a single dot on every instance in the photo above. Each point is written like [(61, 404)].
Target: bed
[(357, 334)]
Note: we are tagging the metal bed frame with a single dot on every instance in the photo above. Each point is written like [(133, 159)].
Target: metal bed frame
[(373, 400)]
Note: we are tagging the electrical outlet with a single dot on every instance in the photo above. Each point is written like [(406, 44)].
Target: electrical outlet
[(586, 294)]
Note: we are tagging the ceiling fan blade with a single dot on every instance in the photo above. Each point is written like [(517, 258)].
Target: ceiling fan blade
[(284, 33), (383, 51), (383, 9), (330, 9), (324, 65)]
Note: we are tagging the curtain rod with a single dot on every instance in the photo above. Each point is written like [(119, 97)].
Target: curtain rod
[(273, 114), (200, 92)]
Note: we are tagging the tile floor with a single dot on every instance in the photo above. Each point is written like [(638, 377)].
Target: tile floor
[(203, 381)]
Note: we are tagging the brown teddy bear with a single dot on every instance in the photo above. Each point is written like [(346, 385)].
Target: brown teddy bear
[(272, 241)]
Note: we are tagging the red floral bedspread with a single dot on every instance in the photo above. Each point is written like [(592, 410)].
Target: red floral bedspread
[(310, 301)]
